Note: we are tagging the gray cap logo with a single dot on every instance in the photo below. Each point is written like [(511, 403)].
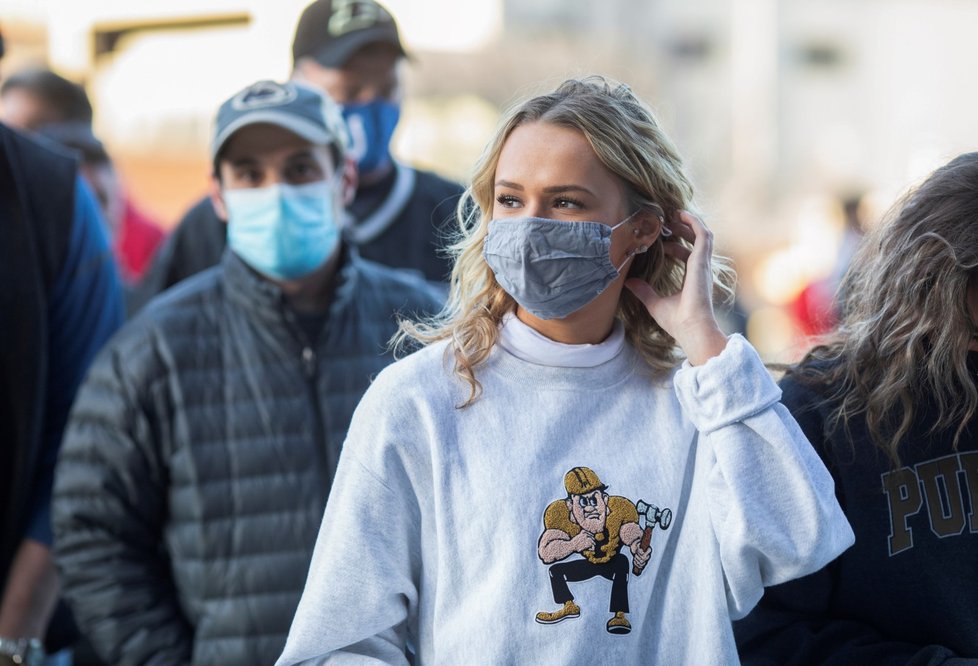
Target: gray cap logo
[(265, 93)]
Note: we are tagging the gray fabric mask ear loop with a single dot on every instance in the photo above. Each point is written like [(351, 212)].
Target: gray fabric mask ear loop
[(639, 250)]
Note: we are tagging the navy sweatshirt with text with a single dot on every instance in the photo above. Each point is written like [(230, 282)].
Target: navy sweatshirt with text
[(907, 591)]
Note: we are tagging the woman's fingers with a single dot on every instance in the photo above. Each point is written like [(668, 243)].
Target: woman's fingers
[(678, 230), (679, 225), (680, 252), (694, 231), (691, 229), (701, 234), (701, 254)]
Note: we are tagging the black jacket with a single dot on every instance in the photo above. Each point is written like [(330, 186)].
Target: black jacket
[(37, 190), (907, 591), (199, 457), (60, 302)]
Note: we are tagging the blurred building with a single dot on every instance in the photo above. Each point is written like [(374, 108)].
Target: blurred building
[(780, 107)]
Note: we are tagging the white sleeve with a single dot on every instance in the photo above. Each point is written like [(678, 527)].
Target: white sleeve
[(772, 502), (362, 586)]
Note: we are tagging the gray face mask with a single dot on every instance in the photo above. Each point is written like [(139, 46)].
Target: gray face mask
[(551, 268)]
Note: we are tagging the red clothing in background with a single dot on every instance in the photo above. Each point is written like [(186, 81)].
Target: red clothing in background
[(814, 309), (136, 243)]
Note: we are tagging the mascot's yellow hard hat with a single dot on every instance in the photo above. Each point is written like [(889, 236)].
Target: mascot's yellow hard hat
[(581, 481)]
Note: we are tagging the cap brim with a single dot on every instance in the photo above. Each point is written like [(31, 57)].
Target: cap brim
[(336, 54), (299, 126), (77, 136)]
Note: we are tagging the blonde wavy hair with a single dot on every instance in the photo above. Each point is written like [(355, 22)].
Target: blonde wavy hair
[(628, 141), (905, 326)]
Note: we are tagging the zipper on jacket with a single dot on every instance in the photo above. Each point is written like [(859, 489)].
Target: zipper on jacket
[(310, 369), (309, 362), (318, 427)]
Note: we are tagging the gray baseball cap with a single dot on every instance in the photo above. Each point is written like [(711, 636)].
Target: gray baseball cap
[(302, 110)]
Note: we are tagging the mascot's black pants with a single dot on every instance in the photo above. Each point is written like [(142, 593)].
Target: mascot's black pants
[(615, 570)]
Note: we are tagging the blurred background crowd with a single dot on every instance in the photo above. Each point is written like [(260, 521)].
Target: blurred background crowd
[(799, 121)]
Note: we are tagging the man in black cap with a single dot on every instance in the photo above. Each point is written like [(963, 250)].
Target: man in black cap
[(203, 444), (400, 216)]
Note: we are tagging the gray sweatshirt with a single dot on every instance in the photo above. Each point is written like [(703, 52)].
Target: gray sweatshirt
[(571, 515)]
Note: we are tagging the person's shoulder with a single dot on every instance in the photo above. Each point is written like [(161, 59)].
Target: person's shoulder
[(432, 180), (200, 225), (44, 181), (430, 363), (45, 170), (389, 276), (184, 311), (434, 187), (399, 286), (36, 149), (183, 301), (805, 386), (201, 212), (421, 381), (424, 373)]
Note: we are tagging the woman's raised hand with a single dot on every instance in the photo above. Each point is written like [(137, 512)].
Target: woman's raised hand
[(688, 315)]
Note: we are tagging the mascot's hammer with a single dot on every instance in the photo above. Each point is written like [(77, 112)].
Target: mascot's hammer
[(649, 516)]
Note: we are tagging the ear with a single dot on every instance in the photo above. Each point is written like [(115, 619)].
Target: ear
[(217, 199), (570, 510), (349, 180), (647, 226)]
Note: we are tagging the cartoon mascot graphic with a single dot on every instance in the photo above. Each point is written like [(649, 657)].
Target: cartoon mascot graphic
[(595, 525)]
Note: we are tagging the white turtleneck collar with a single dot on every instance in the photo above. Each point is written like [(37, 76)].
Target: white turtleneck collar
[(529, 345)]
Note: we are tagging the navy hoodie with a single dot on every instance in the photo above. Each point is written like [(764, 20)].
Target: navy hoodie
[(907, 591)]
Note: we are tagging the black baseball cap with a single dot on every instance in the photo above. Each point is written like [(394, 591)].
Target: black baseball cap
[(330, 32), (300, 109)]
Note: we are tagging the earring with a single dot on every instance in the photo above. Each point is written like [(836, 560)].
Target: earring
[(666, 232), (641, 249), (635, 232)]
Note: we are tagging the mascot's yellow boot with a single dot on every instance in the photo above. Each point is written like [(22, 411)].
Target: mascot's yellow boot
[(570, 609), (619, 624)]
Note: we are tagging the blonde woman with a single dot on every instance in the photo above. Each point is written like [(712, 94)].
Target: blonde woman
[(889, 402), (543, 482)]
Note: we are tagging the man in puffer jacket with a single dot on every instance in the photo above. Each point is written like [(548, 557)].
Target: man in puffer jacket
[(202, 446)]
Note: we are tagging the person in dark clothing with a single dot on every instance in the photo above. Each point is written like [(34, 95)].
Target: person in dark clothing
[(890, 401), (60, 302), (203, 445), (400, 216), (41, 101), (38, 96)]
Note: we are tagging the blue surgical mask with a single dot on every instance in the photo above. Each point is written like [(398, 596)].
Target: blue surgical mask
[(283, 231), (371, 127), (551, 268)]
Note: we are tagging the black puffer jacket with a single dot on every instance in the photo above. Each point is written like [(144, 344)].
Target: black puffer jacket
[(199, 456)]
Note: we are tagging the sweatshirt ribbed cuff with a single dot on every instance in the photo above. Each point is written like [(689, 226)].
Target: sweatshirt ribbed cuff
[(727, 388)]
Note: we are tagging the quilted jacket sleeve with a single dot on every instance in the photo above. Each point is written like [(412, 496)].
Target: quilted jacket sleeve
[(109, 507)]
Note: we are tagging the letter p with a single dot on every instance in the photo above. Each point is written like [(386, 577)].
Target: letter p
[(903, 493)]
